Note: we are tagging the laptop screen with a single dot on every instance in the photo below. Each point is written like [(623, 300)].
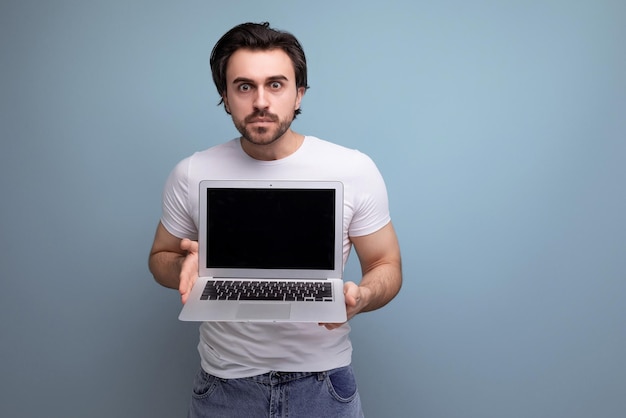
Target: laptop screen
[(270, 228)]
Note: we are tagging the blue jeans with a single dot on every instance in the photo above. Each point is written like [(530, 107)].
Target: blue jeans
[(277, 395)]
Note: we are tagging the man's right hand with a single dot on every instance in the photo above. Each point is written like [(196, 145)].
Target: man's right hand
[(189, 268)]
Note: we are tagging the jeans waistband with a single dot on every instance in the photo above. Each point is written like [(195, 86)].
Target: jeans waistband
[(275, 377)]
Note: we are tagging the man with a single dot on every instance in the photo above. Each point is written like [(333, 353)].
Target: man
[(275, 369)]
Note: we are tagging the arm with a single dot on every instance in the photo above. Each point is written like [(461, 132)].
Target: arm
[(381, 265), (173, 261)]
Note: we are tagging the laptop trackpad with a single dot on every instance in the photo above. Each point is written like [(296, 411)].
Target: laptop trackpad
[(264, 311)]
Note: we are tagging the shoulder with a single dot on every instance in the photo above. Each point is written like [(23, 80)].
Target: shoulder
[(212, 157), (187, 169), (322, 144), (222, 150), (334, 151)]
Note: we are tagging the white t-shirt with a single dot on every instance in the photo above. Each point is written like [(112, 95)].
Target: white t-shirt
[(238, 349)]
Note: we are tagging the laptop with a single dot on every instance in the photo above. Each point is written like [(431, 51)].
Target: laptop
[(269, 251)]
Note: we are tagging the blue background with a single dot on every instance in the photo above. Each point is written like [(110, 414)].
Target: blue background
[(499, 126)]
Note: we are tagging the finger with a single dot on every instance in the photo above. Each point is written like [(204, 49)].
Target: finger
[(352, 294), (351, 301), (330, 327), (188, 245), (189, 270), (185, 289)]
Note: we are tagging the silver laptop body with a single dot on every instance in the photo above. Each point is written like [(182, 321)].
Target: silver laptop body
[(289, 232)]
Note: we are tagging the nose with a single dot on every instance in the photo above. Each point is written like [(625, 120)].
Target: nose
[(260, 100)]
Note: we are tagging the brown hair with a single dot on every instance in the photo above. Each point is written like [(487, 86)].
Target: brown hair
[(256, 36)]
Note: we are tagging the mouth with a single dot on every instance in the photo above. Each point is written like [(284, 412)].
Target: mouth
[(258, 118)]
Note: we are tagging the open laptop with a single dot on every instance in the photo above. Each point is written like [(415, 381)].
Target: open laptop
[(253, 232)]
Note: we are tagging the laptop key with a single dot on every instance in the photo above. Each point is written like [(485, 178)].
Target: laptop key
[(269, 291)]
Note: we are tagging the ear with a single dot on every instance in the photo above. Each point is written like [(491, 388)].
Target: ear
[(299, 96), (226, 106)]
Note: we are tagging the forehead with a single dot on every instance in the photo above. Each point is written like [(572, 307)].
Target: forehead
[(259, 65)]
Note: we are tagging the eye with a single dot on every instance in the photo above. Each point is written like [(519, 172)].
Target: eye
[(244, 87), (276, 85)]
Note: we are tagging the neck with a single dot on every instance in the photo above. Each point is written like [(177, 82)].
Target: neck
[(283, 147)]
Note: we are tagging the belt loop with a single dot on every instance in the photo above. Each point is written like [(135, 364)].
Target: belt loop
[(321, 376)]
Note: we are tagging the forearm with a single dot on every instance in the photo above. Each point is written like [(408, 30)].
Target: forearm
[(166, 267), (381, 266), (380, 285)]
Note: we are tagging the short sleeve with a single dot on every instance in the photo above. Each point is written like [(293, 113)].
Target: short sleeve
[(176, 216), (371, 206)]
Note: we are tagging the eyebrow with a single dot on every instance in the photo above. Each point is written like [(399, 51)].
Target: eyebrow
[(271, 78)]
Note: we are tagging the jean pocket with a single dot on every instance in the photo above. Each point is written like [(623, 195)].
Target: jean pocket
[(204, 384), (342, 384)]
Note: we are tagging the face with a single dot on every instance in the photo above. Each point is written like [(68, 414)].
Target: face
[(261, 94)]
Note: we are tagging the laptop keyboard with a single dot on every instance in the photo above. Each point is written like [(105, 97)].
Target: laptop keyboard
[(306, 291)]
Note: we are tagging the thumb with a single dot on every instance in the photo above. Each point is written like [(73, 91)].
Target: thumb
[(188, 245), (351, 293)]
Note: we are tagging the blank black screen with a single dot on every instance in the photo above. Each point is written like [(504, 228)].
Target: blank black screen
[(271, 228)]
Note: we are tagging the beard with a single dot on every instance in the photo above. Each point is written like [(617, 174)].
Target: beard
[(262, 135)]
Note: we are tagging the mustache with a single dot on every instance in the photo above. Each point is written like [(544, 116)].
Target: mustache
[(261, 115)]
